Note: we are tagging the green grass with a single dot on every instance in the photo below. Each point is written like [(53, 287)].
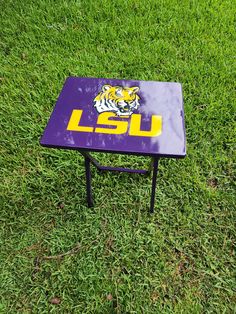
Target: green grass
[(179, 260)]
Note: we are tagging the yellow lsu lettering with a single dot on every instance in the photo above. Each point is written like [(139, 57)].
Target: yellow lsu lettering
[(73, 124), (120, 127)]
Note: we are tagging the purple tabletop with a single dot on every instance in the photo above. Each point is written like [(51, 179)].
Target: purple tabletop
[(121, 116)]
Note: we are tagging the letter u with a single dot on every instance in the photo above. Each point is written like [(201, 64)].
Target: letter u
[(135, 125)]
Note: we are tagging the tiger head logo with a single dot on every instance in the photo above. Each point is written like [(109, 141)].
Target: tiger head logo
[(121, 100)]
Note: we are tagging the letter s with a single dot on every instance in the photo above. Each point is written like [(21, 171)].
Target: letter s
[(103, 118)]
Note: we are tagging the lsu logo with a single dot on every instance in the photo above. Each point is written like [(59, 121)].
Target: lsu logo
[(115, 105), (121, 100)]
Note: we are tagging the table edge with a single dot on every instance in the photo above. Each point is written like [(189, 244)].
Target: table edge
[(115, 151)]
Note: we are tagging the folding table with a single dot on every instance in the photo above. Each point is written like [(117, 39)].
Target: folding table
[(118, 116)]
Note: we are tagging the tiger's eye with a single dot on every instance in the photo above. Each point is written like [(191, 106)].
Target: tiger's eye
[(118, 92)]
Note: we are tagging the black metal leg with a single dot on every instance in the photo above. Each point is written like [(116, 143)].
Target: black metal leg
[(89, 159), (88, 181), (108, 168), (154, 180)]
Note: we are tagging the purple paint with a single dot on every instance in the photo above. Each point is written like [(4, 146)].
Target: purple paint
[(156, 98)]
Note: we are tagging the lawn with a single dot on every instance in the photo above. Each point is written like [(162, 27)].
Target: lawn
[(57, 255)]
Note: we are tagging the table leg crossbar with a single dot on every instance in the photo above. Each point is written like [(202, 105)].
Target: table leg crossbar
[(89, 159)]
